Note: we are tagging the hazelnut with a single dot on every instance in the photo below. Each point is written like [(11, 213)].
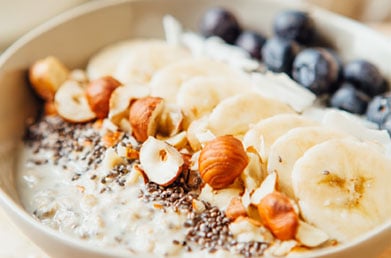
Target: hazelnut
[(110, 138), (98, 94), (278, 214), (49, 108), (235, 209), (121, 99), (161, 162), (71, 103), (144, 117), (221, 161), (46, 76)]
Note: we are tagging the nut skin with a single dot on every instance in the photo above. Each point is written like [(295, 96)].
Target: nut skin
[(46, 76), (278, 214), (235, 209), (111, 138), (221, 161), (49, 108), (141, 117), (98, 94)]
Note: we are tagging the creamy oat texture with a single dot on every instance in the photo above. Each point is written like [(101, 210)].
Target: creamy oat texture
[(84, 178)]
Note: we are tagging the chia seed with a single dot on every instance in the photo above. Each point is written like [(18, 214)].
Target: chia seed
[(67, 142)]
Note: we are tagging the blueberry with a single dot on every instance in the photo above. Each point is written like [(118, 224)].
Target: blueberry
[(365, 76), (387, 124), (294, 25), (379, 108), (350, 99), (278, 54), (220, 22), (252, 42), (316, 69)]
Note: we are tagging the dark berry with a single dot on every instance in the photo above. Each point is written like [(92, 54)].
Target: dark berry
[(316, 69), (379, 108), (220, 22), (387, 124), (294, 25), (278, 54), (350, 99), (339, 64), (365, 76), (252, 42)]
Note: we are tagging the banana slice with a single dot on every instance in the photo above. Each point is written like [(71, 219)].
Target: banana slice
[(235, 114), (134, 60), (290, 147), (343, 187), (105, 62), (143, 61), (197, 97), (267, 131), (167, 82)]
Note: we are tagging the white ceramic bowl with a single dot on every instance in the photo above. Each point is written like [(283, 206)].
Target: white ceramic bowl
[(77, 34)]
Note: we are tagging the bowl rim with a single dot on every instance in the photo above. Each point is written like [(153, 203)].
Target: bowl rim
[(11, 207)]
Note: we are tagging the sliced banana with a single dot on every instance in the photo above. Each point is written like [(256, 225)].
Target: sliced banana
[(145, 60), (167, 82), (343, 187), (234, 114), (105, 62), (267, 131), (198, 96), (291, 146)]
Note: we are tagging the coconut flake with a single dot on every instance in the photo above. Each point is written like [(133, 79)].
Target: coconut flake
[(309, 235), (268, 186), (281, 87), (356, 127), (173, 30)]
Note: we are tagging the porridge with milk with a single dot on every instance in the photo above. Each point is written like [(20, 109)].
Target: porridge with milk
[(189, 147)]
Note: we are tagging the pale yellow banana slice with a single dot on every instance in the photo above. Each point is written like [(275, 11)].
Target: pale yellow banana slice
[(145, 60), (134, 60), (267, 131), (343, 187), (167, 82), (105, 62), (291, 146), (235, 114), (198, 96)]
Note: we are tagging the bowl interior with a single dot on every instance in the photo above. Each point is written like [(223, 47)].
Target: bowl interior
[(75, 35)]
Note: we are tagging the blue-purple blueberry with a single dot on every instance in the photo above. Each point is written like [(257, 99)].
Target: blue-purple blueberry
[(365, 76), (317, 70), (350, 99), (220, 22), (278, 54), (252, 42), (294, 25), (379, 108)]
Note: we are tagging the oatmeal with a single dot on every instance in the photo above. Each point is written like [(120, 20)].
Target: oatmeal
[(196, 150)]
